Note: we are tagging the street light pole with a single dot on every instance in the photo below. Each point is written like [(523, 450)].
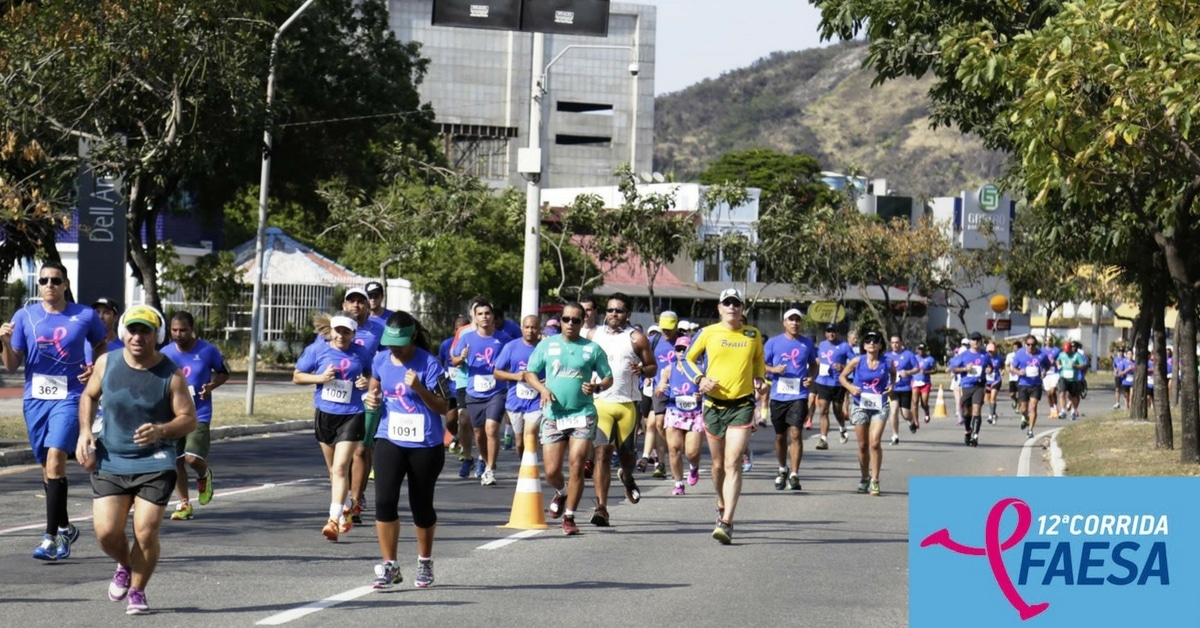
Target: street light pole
[(261, 235)]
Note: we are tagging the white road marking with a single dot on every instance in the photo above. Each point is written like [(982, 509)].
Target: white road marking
[(1027, 451), (497, 544), (308, 609)]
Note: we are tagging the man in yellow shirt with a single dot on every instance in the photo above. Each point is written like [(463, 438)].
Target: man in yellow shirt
[(732, 355)]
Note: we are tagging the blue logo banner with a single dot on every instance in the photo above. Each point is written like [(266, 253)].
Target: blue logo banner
[(1056, 552)]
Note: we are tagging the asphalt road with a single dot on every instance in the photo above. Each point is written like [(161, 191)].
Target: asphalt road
[(825, 556)]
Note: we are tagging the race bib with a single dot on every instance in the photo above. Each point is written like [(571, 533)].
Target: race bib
[(686, 403), (648, 388), (871, 401), (404, 427), (1032, 371), (974, 370), (1068, 373), (337, 390), (1150, 380), (571, 423), (525, 391), (918, 378), (452, 374), (484, 383), (49, 386), (823, 370), (788, 385), (192, 390)]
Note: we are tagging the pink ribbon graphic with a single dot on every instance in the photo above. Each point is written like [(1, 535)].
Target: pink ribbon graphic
[(343, 366), (684, 389), (187, 372), (791, 357), (486, 356), (60, 334), (993, 548), (401, 396)]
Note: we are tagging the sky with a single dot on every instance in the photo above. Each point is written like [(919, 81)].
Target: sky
[(699, 39)]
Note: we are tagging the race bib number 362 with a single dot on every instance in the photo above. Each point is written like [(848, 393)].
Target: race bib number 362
[(49, 386)]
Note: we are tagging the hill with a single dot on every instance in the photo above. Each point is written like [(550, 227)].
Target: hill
[(820, 102)]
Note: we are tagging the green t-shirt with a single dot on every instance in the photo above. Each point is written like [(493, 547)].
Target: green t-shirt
[(567, 366), (1070, 366)]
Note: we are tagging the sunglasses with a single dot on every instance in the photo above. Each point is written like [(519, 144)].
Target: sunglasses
[(57, 281), (871, 341), (731, 303), (616, 310), (571, 320)]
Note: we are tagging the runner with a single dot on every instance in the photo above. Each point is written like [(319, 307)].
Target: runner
[(589, 316), (1030, 365), (972, 365), (569, 362), (204, 368), (1071, 365), (130, 452), (458, 401), (734, 369), (629, 358), (522, 402), (48, 339), (110, 312), (1013, 376), (656, 435), (1125, 373), (832, 356), (477, 350), (792, 359), (339, 369), (869, 378), (683, 418), (956, 382), (904, 366), (994, 378), (1050, 379), (409, 442), (375, 298), (922, 381), (358, 303)]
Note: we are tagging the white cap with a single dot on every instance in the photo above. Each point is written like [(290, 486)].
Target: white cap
[(731, 293), (343, 321), (792, 312)]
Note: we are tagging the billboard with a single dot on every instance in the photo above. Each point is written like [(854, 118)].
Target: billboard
[(563, 17), (502, 15), (101, 207)]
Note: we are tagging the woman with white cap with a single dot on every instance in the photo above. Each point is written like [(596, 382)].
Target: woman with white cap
[(339, 368)]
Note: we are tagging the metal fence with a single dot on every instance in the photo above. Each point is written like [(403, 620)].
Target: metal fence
[(287, 311)]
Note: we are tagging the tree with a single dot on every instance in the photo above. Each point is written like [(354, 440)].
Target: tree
[(581, 242), (33, 206), (772, 172)]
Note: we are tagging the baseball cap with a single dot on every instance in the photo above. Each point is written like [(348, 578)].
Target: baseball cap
[(683, 341), (552, 323), (731, 293), (144, 315), (872, 335), (374, 286), (831, 327), (397, 336), (922, 347), (965, 342), (353, 291), (975, 336), (1067, 346), (653, 328), (792, 312), (668, 320), (108, 303), (343, 321)]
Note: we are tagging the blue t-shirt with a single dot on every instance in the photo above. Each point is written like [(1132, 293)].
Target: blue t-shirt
[(406, 420), (53, 347), (1031, 366), (664, 354), (795, 356), (522, 397), (681, 391), (339, 396), (902, 361), (381, 320), (871, 380), (829, 354), (997, 363), (368, 335), (482, 352), (976, 362), (452, 372), (1124, 368), (198, 365), (927, 364)]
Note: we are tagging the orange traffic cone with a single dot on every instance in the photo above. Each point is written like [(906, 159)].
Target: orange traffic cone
[(527, 511), (939, 409)]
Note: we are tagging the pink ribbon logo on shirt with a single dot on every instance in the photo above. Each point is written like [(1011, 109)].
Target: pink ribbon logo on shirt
[(993, 548), (60, 334), (486, 356), (402, 397), (187, 372), (344, 366), (792, 357)]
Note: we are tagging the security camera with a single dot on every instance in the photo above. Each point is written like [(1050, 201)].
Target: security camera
[(634, 68)]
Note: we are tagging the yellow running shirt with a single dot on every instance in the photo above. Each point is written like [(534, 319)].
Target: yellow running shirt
[(733, 358)]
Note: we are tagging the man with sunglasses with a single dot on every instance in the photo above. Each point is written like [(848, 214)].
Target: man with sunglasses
[(48, 338), (734, 369), (972, 366), (1029, 365), (832, 355), (629, 358), (792, 358)]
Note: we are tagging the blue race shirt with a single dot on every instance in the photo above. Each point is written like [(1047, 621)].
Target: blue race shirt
[(1032, 366), (368, 335), (871, 380), (927, 364), (381, 320), (795, 356), (681, 391), (339, 396), (522, 397), (974, 361), (829, 354), (53, 346), (482, 352), (198, 366), (902, 361), (406, 420)]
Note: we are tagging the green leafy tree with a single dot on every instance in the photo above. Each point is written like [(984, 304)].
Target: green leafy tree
[(772, 172), (580, 240)]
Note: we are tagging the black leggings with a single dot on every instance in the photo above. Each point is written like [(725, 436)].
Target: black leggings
[(422, 465)]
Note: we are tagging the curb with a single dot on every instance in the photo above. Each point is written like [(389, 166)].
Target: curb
[(1058, 464), (14, 457)]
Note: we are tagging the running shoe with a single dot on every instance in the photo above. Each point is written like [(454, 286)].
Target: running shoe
[(693, 475), (183, 512), (331, 530), (1116, 405), (864, 485), (600, 516), (967, 439), (642, 464), (508, 442), (424, 573), (557, 503), (678, 490), (723, 533), (136, 604), (1024, 422), (822, 443), (720, 513), (71, 532), (895, 439), (47, 549), (347, 519), (464, 467), (926, 418), (913, 426), (781, 480), (1029, 434), (794, 482), (975, 439), (844, 437), (480, 467), (660, 470), (62, 545), (1054, 413), (632, 492), (204, 486), (991, 419), (387, 575), (356, 512), (119, 587), (488, 478), (959, 419), (874, 488), (454, 448), (1074, 415), (747, 461), (568, 526)]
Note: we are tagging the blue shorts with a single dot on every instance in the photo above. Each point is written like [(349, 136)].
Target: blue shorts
[(52, 423)]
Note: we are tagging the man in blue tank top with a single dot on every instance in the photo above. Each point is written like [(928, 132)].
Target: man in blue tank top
[(131, 449)]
